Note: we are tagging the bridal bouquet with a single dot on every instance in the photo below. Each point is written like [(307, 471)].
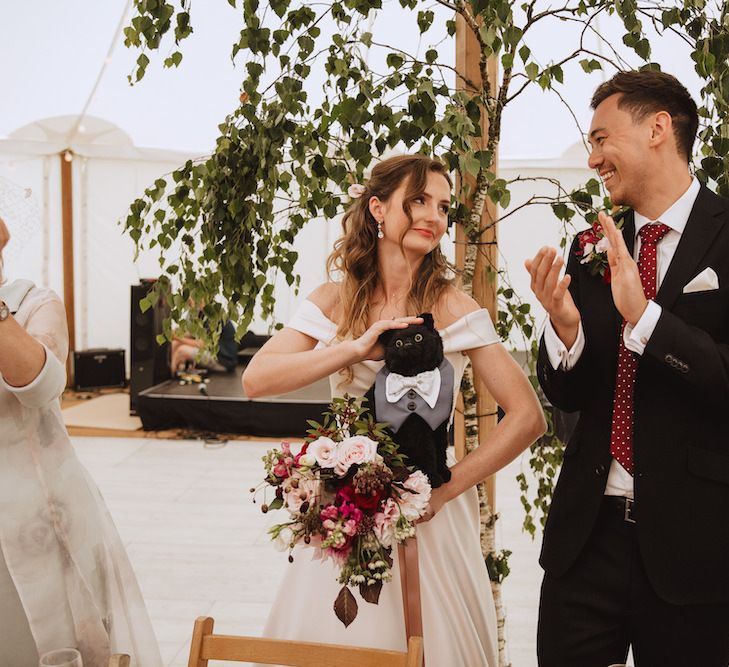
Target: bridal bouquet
[(349, 495)]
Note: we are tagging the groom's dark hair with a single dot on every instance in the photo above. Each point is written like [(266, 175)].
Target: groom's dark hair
[(647, 92)]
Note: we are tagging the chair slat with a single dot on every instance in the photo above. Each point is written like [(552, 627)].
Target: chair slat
[(298, 654), (208, 646)]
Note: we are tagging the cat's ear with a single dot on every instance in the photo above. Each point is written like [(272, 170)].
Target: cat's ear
[(386, 336), (428, 320)]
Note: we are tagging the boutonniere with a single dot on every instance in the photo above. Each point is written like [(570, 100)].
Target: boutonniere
[(592, 251)]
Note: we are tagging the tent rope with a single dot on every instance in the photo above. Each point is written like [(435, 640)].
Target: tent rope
[(114, 42)]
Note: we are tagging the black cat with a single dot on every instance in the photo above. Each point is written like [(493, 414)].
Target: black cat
[(413, 393)]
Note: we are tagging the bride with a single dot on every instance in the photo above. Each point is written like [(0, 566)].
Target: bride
[(392, 267)]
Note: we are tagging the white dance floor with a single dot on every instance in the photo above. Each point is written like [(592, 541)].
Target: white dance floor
[(199, 545)]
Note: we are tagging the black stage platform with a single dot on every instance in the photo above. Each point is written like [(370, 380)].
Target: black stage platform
[(224, 407)]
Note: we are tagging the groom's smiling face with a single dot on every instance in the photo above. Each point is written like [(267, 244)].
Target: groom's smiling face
[(620, 152)]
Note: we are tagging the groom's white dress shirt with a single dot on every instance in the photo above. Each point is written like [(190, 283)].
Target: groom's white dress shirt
[(620, 482)]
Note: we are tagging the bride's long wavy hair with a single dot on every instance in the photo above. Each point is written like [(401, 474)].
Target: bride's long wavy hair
[(354, 257)]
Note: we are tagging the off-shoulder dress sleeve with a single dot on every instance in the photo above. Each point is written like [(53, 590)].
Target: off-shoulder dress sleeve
[(310, 320), (473, 330)]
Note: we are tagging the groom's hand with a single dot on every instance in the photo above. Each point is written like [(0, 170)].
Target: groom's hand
[(625, 283), (553, 294)]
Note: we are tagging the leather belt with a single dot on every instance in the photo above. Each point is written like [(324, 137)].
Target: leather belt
[(625, 507)]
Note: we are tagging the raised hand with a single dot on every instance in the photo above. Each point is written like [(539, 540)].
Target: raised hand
[(625, 283), (552, 293), (368, 345)]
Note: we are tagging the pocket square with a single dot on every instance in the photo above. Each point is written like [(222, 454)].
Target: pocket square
[(706, 280)]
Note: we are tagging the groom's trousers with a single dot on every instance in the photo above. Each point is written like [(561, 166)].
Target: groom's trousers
[(605, 603)]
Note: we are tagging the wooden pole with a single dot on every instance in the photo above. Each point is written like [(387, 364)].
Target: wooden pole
[(468, 57), (66, 158)]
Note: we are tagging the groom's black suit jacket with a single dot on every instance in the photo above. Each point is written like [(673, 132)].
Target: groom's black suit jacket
[(681, 419)]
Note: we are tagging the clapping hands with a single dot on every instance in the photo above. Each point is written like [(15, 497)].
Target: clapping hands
[(552, 293), (625, 282)]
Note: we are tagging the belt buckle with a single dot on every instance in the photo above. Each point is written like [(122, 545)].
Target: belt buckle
[(628, 514)]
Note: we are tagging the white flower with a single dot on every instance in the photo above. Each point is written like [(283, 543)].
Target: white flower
[(307, 460), (282, 541), (355, 191), (587, 250), (324, 450), (354, 451), (603, 245)]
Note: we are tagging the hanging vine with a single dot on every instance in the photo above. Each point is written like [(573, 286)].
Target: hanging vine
[(314, 114)]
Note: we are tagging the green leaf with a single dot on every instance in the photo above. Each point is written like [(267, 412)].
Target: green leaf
[(394, 61), (276, 504), (142, 62), (174, 60), (425, 20)]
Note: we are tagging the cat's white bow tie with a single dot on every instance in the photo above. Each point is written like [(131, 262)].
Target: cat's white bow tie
[(427, 384)]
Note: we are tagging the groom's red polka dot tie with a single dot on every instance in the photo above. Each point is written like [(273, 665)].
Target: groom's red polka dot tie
[(621, 435)]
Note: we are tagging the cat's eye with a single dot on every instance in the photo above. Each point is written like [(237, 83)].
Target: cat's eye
[(418, 337), (398, 343)]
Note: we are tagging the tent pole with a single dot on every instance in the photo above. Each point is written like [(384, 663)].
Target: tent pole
[(66, 158)]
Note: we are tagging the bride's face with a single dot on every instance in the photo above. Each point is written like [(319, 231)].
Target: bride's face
[(429, 212)]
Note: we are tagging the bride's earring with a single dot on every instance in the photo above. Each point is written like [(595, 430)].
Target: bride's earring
[(380, 233)]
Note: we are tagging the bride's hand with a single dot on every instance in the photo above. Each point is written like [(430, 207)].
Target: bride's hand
[(368, 346), (438, 498)]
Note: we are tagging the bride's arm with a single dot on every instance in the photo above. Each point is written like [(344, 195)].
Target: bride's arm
[(288, 361), (522, 424)]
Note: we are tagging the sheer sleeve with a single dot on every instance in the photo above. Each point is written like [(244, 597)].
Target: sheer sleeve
[(310, 320), (475, 329), (45, 320)]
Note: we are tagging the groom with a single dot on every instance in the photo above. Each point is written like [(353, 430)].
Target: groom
[(636, 546)]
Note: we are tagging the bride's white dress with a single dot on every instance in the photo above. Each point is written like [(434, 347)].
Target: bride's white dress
[(459, 619)]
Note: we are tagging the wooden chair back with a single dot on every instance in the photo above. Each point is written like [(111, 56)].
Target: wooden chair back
[(208, 646), (119, 660)]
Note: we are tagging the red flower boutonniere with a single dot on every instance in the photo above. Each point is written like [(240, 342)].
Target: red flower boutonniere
[(592, 251)]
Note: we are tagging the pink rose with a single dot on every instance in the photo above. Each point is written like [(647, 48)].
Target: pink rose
[(303, 491), (324, 450), (330, 512), (354, 451), (280, 470), (415, 499), (385, 521), (418, 482)]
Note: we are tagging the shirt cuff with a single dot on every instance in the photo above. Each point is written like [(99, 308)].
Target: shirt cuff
[(47, 386), (559, 355), (636, 337)]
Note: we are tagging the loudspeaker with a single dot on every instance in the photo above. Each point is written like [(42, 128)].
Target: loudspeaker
[(98, 368), (149, 361)]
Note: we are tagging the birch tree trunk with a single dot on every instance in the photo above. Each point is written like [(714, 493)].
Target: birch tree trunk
[(476, 257)]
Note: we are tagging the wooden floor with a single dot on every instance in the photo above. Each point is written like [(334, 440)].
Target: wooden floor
[(198, 543)]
